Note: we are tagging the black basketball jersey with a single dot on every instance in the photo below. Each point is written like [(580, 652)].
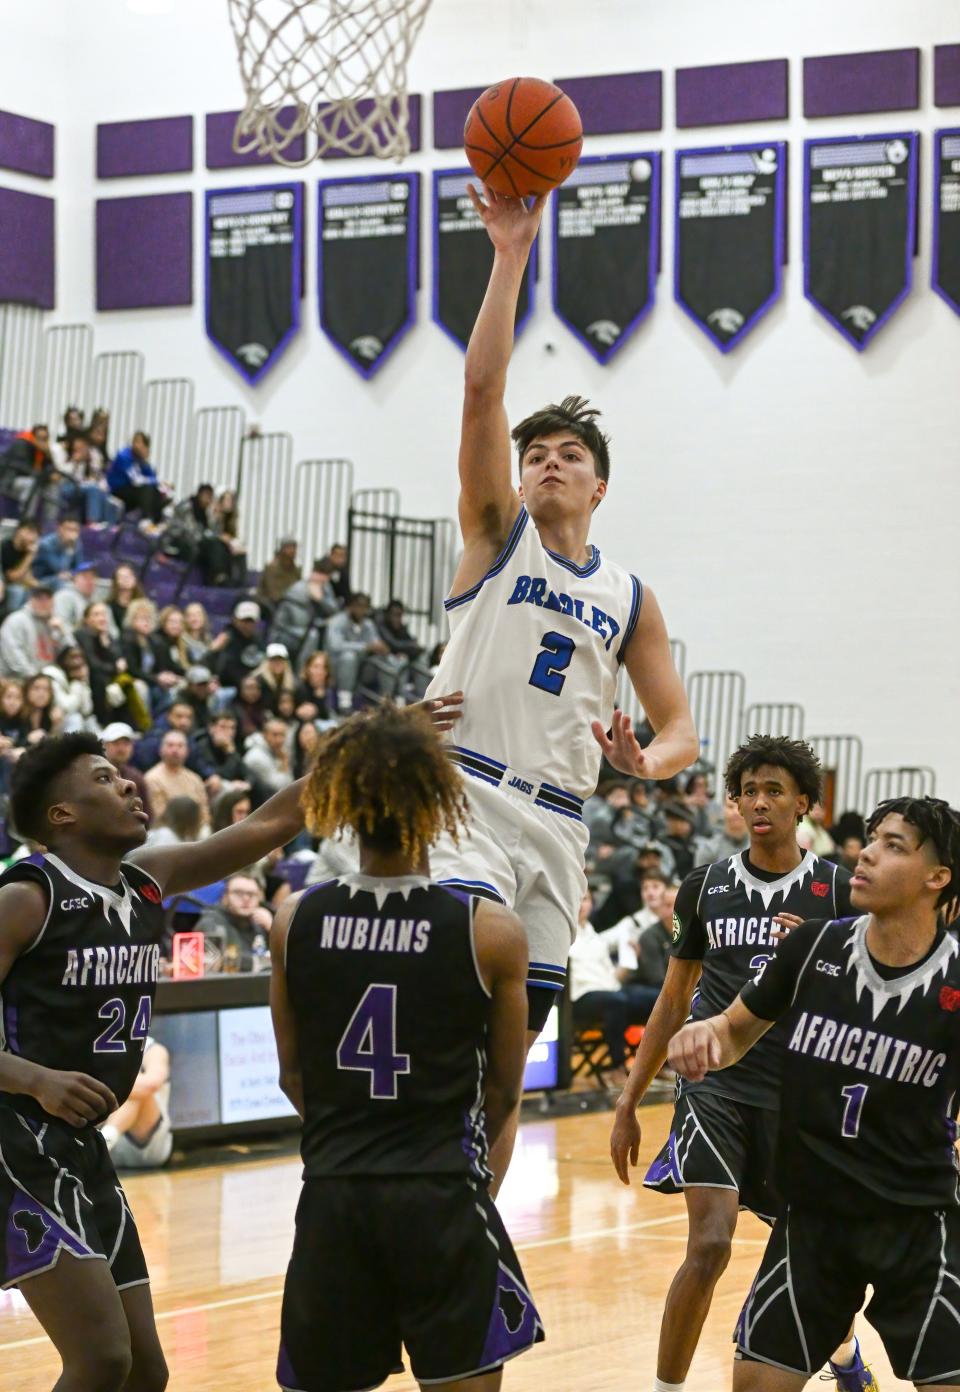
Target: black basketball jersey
[(81, 997), (724, 917), (871, 1070), (391, 1021)]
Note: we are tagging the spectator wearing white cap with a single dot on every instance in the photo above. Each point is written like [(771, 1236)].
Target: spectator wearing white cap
[(240, 652), (118, 739), (276, 674)]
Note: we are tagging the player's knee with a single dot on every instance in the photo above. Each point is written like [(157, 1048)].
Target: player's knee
[(149, 1374), (107, 1364), (709, 1253)]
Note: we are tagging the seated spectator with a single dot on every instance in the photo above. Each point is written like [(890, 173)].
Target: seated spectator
[(240, 926), (334, 564), (224, 523), (72, 430), (196, 633), (600, 810), (635, 824), (696, 795), (627, 869), (72, 692), (279, 574), (312, 695), (250, 707), (42, 716), (171, 778), (184, 534), (171, 648), (118, 739), (85, 484), (31, 637), (267, 758), (145, 654), (105, 660), (180, 717), (275, 675), (847, 852), (197, 691), (404, 652), (229, 808), (678, 838), (623, 937), (71, 600), (435, 658), (306, 737), (732, 837), (812, 833), (132, 478), (597, 992), (13, 722), (29, 472), (239, 651), (653, 954), (351, 641), (217, 756), (301, 616), (123, 591), (181, 821), (16, 561), (59, 554), (138, 1135)]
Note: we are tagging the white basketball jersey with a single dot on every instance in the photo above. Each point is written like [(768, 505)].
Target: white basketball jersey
[(536, 647)]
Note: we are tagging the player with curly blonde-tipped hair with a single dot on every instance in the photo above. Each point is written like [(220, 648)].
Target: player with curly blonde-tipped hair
[(399, 1008)]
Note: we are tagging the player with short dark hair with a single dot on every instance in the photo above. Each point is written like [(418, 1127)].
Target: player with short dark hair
[(728, 919), (870, 1007), (80, 928), (400, 1009), (541, 625)]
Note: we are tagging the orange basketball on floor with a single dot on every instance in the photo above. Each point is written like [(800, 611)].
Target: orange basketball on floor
[(523, 136)]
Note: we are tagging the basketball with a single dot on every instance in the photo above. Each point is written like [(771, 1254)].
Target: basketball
[(523, 137)]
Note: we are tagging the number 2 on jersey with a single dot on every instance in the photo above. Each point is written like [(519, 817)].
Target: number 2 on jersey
[(369, 1043), (556, 650)]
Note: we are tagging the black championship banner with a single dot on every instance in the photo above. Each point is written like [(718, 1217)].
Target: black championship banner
[(730, 236), (368, 249), (463, 258), (946, 217), (606, 248), (859, 226), (254, 240)]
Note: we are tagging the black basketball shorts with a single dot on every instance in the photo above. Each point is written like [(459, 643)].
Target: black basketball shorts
[(59, 1192), (716, 1143), (813, 1280), (423, 1261)]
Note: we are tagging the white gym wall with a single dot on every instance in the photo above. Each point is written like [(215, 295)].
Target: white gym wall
[(794, 504)]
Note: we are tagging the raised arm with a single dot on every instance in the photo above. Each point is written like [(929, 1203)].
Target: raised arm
[(655, 679), (502, 961), (178, 869), (489, 502), (284, 1025)]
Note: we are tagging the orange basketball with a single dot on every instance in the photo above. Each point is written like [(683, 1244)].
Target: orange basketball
[(523, 136)]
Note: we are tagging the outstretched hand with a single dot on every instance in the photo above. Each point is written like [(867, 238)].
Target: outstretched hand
[(622, 749), (510, 223), (444, 711)]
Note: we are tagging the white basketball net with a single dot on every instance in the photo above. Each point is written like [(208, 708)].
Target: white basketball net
[(314, 61)]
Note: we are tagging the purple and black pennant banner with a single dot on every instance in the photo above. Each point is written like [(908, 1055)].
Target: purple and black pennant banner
[(945, 277), (859, 229), (463, 259), (730, 231), (606, 248), (254, 240), (369, 264)]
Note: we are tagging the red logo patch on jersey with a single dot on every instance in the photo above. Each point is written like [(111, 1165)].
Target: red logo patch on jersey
[(150, 893), (949, 998), (820, 888)]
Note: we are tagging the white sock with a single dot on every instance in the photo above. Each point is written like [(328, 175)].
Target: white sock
[(660, 1386), (110, 1134), (843, 1357)]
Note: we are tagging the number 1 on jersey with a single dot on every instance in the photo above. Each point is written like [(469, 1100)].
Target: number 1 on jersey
[(556, 650), (855, 1095), (369, 1043)]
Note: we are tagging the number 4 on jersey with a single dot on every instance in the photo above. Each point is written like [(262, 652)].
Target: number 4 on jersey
[(369, 1043)]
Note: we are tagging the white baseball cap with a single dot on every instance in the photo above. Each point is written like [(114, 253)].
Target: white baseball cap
[(118, 730)]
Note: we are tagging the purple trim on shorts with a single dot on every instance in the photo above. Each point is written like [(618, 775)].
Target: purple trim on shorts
[(34, 1239), (514, 1322), (11, 1028)]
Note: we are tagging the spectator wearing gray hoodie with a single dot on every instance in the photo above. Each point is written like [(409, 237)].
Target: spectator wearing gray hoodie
[(31, 637)]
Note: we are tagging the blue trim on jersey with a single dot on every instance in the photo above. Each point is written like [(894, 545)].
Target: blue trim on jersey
[(516, 532), (475, 885), (492, 771), (635, 608), (484, 759), (583, 571)]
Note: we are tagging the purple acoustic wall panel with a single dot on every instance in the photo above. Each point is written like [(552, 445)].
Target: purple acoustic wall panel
[(450, 113), (364, 108), (27, 253), (617, 102), (727, 94), (853, 84), (221, 154), (161, 146), (145, 251), (946, 75), (26, 145)]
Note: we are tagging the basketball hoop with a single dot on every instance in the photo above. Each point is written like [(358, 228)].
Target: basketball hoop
[(337, 67)]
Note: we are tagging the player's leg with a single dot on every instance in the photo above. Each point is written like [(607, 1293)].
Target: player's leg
[(488, 1382), (912, 1259), (760, 1377), (149, 1371), (79, 1307), (712, 1217)]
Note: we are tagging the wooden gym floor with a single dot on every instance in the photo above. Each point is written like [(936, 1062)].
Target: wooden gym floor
[(598, 1257)]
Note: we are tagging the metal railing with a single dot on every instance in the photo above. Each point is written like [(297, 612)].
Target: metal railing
[(168, 420), (21, 353), (118, 388), (67, 363), (321, 504), (842, 759), (217, 437), (716, 702), (908, 781), (265, 494), (783, 718)]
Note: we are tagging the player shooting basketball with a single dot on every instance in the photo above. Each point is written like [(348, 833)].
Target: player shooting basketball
[(540, 625)]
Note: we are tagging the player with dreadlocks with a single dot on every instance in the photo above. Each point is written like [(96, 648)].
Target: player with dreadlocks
[(728, 919), (399, 1008), (871, 1078)]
